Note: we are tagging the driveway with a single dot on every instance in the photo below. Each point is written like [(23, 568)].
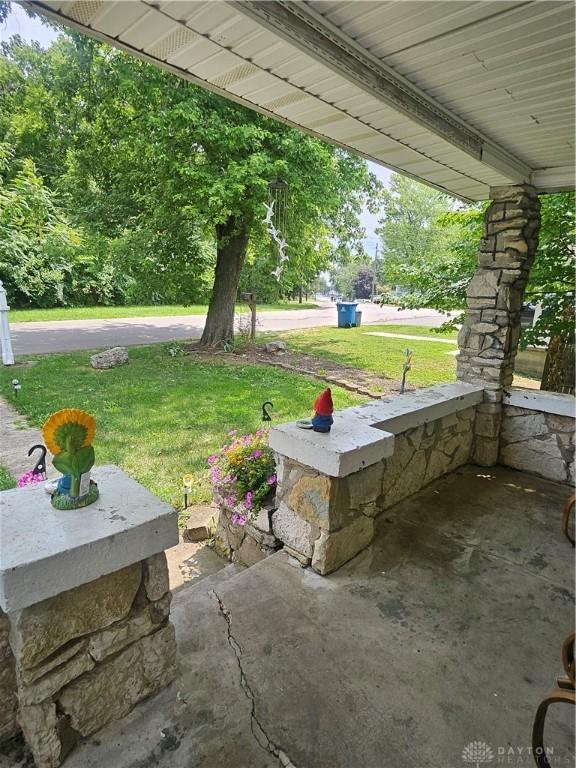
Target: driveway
[(73, 335)]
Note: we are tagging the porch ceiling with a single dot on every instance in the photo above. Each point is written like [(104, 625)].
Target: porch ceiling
[(461, 95)]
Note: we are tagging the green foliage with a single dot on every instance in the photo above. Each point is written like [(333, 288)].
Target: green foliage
[(353, 280), (6, 479), (143, 167), (551, 282), (409, 231)]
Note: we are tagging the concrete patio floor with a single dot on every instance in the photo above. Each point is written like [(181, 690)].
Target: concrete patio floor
[(445, 631)]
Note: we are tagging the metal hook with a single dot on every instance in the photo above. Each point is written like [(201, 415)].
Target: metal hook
[(40, 466), (265, 415)]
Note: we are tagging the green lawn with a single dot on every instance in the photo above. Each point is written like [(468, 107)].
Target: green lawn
[(157, 310), (6, 479), (431, 362), (159, 417)]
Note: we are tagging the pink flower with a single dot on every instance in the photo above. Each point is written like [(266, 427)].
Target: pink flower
[(215, 474), (272, 480), (249, 500), (29, 478), (238, 519), (212, 460), (257, 454), (232, 433)]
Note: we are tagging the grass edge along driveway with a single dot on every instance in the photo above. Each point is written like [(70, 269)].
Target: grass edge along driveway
[(156, 310)]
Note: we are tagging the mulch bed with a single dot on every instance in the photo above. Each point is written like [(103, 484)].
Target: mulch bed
[(345, 376)]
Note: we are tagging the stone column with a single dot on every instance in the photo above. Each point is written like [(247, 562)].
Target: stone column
[(85, 630), (488, 340)]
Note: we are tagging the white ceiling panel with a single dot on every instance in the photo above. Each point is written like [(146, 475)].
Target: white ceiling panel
[(463, 95)]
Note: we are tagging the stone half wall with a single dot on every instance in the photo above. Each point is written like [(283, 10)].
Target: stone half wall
[(538, 435), (325, 521), (8, 689), (87, 656)]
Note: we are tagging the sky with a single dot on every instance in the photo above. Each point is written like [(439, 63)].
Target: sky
[(18, 23)]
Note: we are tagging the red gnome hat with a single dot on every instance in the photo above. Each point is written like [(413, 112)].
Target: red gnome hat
[(323, 405)]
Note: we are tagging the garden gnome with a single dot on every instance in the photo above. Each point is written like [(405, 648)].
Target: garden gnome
[(323, 410)]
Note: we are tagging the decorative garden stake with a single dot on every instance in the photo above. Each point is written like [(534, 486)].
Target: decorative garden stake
[(68, 435), (323, 409), (265, 415), (187, 483), (40, 466), (406, 366), (16, 386)]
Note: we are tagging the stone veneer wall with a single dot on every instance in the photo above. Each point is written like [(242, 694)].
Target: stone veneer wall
[(325, 521), (248, 544), (87, 656), (8, 697), (542, 443)]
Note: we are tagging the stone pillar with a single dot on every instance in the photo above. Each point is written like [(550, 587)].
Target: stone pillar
[(488, 340), (86, 609), (89, 655)]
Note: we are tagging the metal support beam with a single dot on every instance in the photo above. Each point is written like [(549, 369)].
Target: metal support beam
[(303, 27)]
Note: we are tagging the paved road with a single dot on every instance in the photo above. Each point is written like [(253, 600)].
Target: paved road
[(72, 335)]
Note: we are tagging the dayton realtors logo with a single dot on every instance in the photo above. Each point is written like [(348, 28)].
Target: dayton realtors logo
[(477, 753)]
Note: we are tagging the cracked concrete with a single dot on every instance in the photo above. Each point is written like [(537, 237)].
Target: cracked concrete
[(445, 630), (258, 731)]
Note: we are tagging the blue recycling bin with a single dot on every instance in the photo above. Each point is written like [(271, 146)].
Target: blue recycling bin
[(346, 314)]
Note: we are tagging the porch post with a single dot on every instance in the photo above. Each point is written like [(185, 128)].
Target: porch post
[(488, 340)]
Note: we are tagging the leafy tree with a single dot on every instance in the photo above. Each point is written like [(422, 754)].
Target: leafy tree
[(363, 284), (408, 229), (174, 178)]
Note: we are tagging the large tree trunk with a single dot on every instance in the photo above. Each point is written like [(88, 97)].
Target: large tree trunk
[(231, 243), (558, 375)]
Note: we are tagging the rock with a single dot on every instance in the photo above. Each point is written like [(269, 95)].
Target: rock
[(293, 530), (110, 358), (156, 580), (39, 723), (200, 523), (331, 550), (365, 486), (309, 497), (485, 452), (250, 553), (529, 424), (55, 680), (262, 521), (143, 669), (39, 631), (129, 630), (265, 540), (275, 346), (8, 699), (541, 456)]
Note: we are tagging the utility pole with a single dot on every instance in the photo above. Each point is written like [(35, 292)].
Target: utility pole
[(374, 271)]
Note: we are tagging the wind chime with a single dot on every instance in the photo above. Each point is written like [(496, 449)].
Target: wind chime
[(276, 220)]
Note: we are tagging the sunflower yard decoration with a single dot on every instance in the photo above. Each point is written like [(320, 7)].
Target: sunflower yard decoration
[(68, 435)]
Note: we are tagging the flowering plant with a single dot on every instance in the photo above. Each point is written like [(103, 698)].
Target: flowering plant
[(243, 473), (29, 478)]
